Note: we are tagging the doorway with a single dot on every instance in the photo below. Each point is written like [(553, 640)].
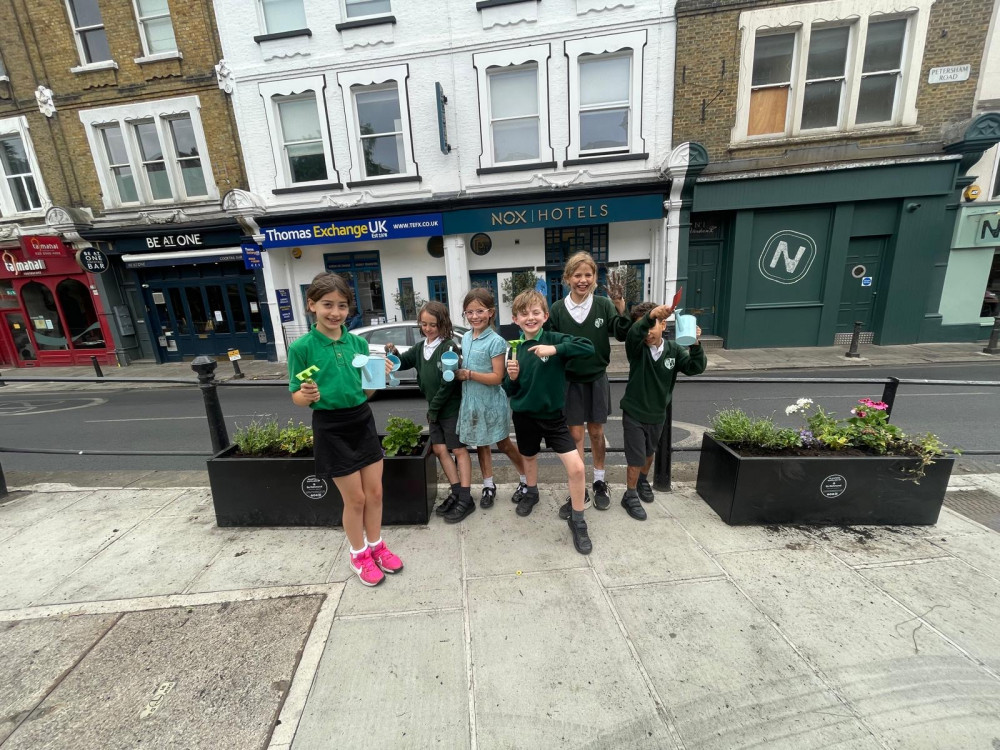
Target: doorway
[(25, 354), (865, 256)]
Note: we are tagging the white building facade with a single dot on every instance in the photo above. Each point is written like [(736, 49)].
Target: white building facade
[(422, 149)]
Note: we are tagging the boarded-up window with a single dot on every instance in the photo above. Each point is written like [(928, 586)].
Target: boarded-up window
[(771, 83)]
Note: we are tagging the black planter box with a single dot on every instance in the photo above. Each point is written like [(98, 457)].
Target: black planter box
[(845, 490), (284, 491)]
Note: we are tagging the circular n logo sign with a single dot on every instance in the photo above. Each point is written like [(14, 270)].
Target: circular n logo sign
[(787, 256)]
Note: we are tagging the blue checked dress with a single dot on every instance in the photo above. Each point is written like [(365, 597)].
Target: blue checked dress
[(484, 417)]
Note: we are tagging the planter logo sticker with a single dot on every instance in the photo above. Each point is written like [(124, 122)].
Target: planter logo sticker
[(314, 488), (787, 256), (833, 486)]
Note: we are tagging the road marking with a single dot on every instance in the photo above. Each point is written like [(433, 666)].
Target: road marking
[(26, 406), (162, 419)]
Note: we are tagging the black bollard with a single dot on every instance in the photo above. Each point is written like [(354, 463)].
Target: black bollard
[(855, 337), (889, 395), (2, 383), (237, 372), (205, 368), (97, 367), (3, 484), (994, 346), (662, 472)]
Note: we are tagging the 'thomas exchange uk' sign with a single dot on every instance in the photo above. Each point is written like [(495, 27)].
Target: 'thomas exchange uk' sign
[(354, 230), (787, 256)]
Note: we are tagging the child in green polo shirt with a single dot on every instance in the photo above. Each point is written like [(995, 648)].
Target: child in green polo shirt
[(653, 366), (443, 401), (345, 441), (536, 384)]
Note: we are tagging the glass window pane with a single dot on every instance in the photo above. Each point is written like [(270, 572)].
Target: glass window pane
[(378, 111), (160, 35), (183, 134), (821, 104), (283, 15), (514, 93), (126, 184), (217, 309), (152, 7), (180, 315), (77, 307), (884, 48), (827, 52), (95, 45), (200, 318), (357, 8), (306, 162), (236, 308), (194, 178), (43, 317), (256, 321), (13, 156), (149, 141), (24, 193), (85, 12), (604, 80), (159, 182), (299, 120), (383, 155), (115, 145), (515, 140), (772, 59), (876, 98), (605, 129)]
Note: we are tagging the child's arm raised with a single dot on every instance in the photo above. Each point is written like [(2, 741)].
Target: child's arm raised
[(692, 361)]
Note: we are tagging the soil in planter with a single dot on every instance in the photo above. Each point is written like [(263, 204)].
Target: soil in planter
[(307, 452), (753, 451)]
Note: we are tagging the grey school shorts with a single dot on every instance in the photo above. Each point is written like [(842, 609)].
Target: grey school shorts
[(641, 439), (588, 403), (445, 430)]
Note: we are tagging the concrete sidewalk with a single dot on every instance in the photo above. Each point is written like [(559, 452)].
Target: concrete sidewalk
[(131, 620), (719, 362)]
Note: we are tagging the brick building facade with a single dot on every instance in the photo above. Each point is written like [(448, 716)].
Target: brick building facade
[(839, 129)]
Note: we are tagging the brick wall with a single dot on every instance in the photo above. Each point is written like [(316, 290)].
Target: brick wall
[(708, 57)]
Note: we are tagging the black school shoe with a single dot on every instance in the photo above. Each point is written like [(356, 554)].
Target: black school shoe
[(633, 507), (519, 493), (566, 507), (462, 508), (489, 495), (447, 504), (526, 504), (602, 500), (644, 490), (581, 539)]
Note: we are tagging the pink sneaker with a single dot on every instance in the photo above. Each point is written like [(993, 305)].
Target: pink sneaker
[(363, 564), (385, 559)]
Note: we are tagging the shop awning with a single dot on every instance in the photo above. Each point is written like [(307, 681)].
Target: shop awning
[(182, 257)]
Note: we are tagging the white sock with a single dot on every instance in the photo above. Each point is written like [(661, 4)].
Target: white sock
[(375, 543), (488, 482), (598, 475), (524, 480), (358, 551)]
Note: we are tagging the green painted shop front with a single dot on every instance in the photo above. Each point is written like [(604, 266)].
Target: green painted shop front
[(801, 257)]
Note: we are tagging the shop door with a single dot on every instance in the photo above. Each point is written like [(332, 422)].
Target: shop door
[(860, 287), (703, 282), (485, 281), (24, 349)]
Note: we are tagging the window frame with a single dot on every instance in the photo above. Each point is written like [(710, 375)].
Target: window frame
[(18, 126), (801, 20), (630, 44), (140, 22), (484, 62), (272, 93), (370, 80), (348, 18), (127, 118), (262, 20), (846, 79), (491, 73), (81, 49)]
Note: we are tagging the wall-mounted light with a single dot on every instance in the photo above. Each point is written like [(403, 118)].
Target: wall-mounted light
[(296, 252), (911, 207)]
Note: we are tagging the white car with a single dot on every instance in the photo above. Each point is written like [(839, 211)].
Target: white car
[(403, 334)]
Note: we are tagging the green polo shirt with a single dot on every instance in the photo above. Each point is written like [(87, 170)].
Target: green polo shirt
[(338, 380)]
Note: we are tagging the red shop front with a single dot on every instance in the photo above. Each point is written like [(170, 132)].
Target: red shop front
[(50, 313)]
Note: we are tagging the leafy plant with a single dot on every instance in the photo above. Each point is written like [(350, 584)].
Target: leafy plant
[(408, 302), (401, 436), (738, 427), (517, 282), (265, 438)]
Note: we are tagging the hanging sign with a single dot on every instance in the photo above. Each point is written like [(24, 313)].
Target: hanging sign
[(251, 255), (92, 260), (442, 120)]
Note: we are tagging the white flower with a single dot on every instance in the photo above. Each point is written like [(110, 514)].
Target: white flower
[(804, 402), (854, 411), (791, 409)]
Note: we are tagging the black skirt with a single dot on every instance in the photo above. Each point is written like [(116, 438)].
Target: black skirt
[(344, 440)]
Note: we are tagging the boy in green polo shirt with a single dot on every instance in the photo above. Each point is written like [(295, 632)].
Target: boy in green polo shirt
[(653, 366), (536, 384)]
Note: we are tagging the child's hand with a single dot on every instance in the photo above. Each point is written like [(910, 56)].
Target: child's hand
[(388, 367), (543, 350), (661, 313), (390, 348), (697, 335), (513, 369), (310, 390)]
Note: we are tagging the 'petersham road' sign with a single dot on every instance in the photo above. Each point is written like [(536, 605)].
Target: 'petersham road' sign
[(353, 230), (949, 74)]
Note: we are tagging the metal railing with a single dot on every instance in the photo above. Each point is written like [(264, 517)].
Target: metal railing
[(205, 369)]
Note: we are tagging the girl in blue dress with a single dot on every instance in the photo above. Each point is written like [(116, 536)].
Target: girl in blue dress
[(484, 418)]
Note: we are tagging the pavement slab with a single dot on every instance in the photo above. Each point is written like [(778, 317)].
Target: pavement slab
[(191, 502), (397, 681), (37, 653), (177, 678), (35, 506), (753, 691), (552, 669)]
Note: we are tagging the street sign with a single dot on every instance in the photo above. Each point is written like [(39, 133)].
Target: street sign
[(234, 354), (92, 260)]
